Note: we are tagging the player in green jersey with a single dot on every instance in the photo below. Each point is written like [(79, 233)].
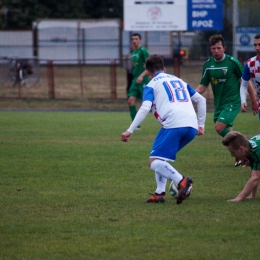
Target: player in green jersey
[(224, 73), (140, 77), (240, 147)]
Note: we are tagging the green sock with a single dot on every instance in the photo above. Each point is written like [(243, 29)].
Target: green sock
[(133, 111), (224, 132)]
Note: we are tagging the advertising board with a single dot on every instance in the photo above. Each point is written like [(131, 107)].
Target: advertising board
[(176, 15)]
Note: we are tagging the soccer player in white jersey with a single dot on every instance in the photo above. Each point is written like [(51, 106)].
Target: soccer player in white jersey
[(170, 99), (252, 71)]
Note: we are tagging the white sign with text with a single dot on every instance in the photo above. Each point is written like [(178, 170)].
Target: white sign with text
[(154, 15)]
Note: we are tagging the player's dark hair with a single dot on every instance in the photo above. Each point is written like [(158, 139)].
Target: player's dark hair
[(215, 39), (154, 63), (138, 35), (257, 36), (235, 139)]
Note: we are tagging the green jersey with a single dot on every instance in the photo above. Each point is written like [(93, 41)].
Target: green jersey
[(138, 63), (224, 77), (254, 159)]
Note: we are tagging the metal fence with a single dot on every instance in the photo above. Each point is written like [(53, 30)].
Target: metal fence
[(76, 80), (63, 43), (72, 60), (100, 44)]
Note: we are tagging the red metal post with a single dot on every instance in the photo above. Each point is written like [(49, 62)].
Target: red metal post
[(81, 77), (176, 67), (113, 79), (19, 87), (50, 75)]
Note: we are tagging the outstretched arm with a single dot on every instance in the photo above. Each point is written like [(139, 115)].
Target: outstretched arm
[(244, 87), (201, 89), (202, 111), (251, 91), (140, 116), (254, 191), (249, 187), (243, 94), (141, 76)]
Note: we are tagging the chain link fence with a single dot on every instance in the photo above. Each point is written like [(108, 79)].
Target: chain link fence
[(47, 80)]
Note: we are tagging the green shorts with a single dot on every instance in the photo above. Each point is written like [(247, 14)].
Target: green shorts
[(227, 114), (136, 90)]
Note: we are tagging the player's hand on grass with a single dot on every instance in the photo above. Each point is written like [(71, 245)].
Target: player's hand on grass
[(125, 136), (250, 197), (234, 200)]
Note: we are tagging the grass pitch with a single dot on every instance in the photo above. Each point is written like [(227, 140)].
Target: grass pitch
[(70, 189)]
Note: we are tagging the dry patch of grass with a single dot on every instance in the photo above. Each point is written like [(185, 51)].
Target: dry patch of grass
[(82, 87)]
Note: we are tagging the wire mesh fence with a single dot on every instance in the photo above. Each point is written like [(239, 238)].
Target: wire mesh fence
[(46, 80)]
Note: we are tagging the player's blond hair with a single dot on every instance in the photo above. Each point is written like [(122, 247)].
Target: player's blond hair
[(235, 139)]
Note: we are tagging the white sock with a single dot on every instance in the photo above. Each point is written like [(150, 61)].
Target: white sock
[(161, 183), (166, 170)]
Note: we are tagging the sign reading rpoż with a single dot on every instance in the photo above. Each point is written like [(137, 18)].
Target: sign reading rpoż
[(205, 15), (175, 15)]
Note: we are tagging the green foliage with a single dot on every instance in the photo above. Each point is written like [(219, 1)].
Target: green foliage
[(21, 14), (104, 9), (70, 189)]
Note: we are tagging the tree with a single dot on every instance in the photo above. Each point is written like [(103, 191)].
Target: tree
[(104, 8), (19, 15)]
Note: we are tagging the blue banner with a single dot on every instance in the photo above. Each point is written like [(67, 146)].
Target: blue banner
[(205, 15)]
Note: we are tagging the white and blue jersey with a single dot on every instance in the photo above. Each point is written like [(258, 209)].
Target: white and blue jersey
[(171, 101), (251, 71)]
